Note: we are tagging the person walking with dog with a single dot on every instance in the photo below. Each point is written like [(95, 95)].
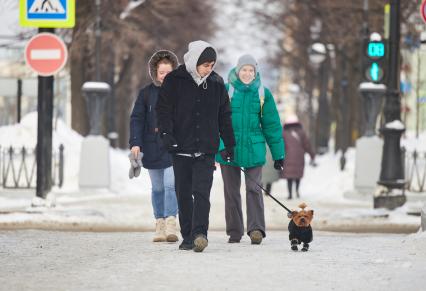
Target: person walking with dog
[(297, 144), (256, 122), (193, 112), (145, 138)]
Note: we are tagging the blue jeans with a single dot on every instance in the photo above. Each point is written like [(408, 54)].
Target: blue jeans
[(163, 196)]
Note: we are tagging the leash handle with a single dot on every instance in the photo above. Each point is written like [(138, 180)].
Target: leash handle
[(267, 193)]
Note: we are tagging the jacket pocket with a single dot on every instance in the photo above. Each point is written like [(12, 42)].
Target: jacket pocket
[(235, 105), (258, 149)]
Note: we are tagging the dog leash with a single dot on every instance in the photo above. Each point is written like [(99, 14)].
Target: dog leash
[(266, 192)]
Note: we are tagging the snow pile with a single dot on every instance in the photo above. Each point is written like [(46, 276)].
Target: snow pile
[(25, 134)]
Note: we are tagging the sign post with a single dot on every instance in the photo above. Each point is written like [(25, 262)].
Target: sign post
[(45, 54), (44, 131)]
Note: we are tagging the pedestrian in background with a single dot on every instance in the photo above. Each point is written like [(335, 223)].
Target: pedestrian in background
[(145, 138), (296, 145), (193, 111), (255, 121)]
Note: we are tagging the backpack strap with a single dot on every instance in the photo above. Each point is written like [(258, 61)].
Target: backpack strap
[(231, 90), (262, 94)]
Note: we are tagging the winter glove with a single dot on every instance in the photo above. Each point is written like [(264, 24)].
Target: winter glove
[(169, 142), (279, 165), (227, 154), (135, 165)]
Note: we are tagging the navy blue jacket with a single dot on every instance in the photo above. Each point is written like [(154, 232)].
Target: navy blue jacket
[(144, 131)]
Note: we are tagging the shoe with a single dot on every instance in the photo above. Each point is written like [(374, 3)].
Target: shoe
[(256, 237), (200, 243), (186, 245), (171, 229), (234, 240), (160, 231)]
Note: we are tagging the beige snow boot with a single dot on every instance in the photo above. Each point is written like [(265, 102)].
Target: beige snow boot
[(171, 235), (160, 230)]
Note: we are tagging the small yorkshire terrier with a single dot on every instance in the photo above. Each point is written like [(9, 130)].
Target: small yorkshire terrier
[(300, 227)]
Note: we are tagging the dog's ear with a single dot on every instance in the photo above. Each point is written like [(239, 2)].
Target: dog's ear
[(293, 214), (311, 212)]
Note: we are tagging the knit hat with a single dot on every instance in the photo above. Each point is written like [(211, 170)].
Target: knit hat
[(207, 56), (246, 60)]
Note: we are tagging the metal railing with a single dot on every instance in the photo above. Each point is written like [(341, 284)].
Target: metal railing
[(18, 167), (415, 170)]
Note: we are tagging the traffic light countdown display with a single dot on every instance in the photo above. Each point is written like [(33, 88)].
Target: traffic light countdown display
[(375, 52)]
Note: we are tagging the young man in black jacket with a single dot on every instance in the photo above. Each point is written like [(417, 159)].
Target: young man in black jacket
[(193, 111)]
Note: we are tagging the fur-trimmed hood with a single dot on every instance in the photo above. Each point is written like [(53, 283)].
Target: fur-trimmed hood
[(156, 58)]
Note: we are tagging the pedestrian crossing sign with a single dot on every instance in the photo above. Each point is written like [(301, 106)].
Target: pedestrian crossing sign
[(47, 13)]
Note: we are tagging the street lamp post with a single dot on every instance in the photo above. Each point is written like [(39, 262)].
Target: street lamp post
[(317, 54), (98, 40), (392, 172)]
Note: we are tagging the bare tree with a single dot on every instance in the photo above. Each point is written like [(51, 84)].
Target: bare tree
[(341, 28), (127, 43)]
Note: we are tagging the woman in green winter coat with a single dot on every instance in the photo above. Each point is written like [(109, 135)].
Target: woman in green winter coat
[(256, 122)]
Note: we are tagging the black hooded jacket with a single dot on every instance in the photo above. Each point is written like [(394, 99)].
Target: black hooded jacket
[(195, 115)]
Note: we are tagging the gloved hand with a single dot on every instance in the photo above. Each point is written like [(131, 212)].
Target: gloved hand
[(227, 154), (135, 164), (313, 163), (169, 141), (279, 165)]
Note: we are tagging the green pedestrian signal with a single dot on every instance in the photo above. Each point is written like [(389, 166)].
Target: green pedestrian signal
[(374, 58), (375, 73)]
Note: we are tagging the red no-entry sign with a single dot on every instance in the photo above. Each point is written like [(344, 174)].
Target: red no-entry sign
[(423, 10), (46, 54)]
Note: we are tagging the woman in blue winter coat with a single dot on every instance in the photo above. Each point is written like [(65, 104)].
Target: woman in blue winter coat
[(145, 138)]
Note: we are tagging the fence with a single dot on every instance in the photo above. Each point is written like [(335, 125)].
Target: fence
[(415, 170), (18, 167)]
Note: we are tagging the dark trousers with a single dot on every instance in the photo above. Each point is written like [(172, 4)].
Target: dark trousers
[(193, 182)]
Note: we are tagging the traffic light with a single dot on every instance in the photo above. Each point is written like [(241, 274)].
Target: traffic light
[(374, 59)]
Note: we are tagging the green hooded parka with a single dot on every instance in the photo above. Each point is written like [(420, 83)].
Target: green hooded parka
[(252, 128)]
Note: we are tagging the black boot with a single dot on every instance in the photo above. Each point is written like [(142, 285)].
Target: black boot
[(305, 247)]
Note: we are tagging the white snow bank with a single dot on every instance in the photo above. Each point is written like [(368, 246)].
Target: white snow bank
[(25, 134)]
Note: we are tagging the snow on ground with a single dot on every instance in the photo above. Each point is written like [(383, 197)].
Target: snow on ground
[(130, 261), (127, 203)]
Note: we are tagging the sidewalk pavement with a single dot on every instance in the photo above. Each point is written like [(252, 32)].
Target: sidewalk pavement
[(103, 210)]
